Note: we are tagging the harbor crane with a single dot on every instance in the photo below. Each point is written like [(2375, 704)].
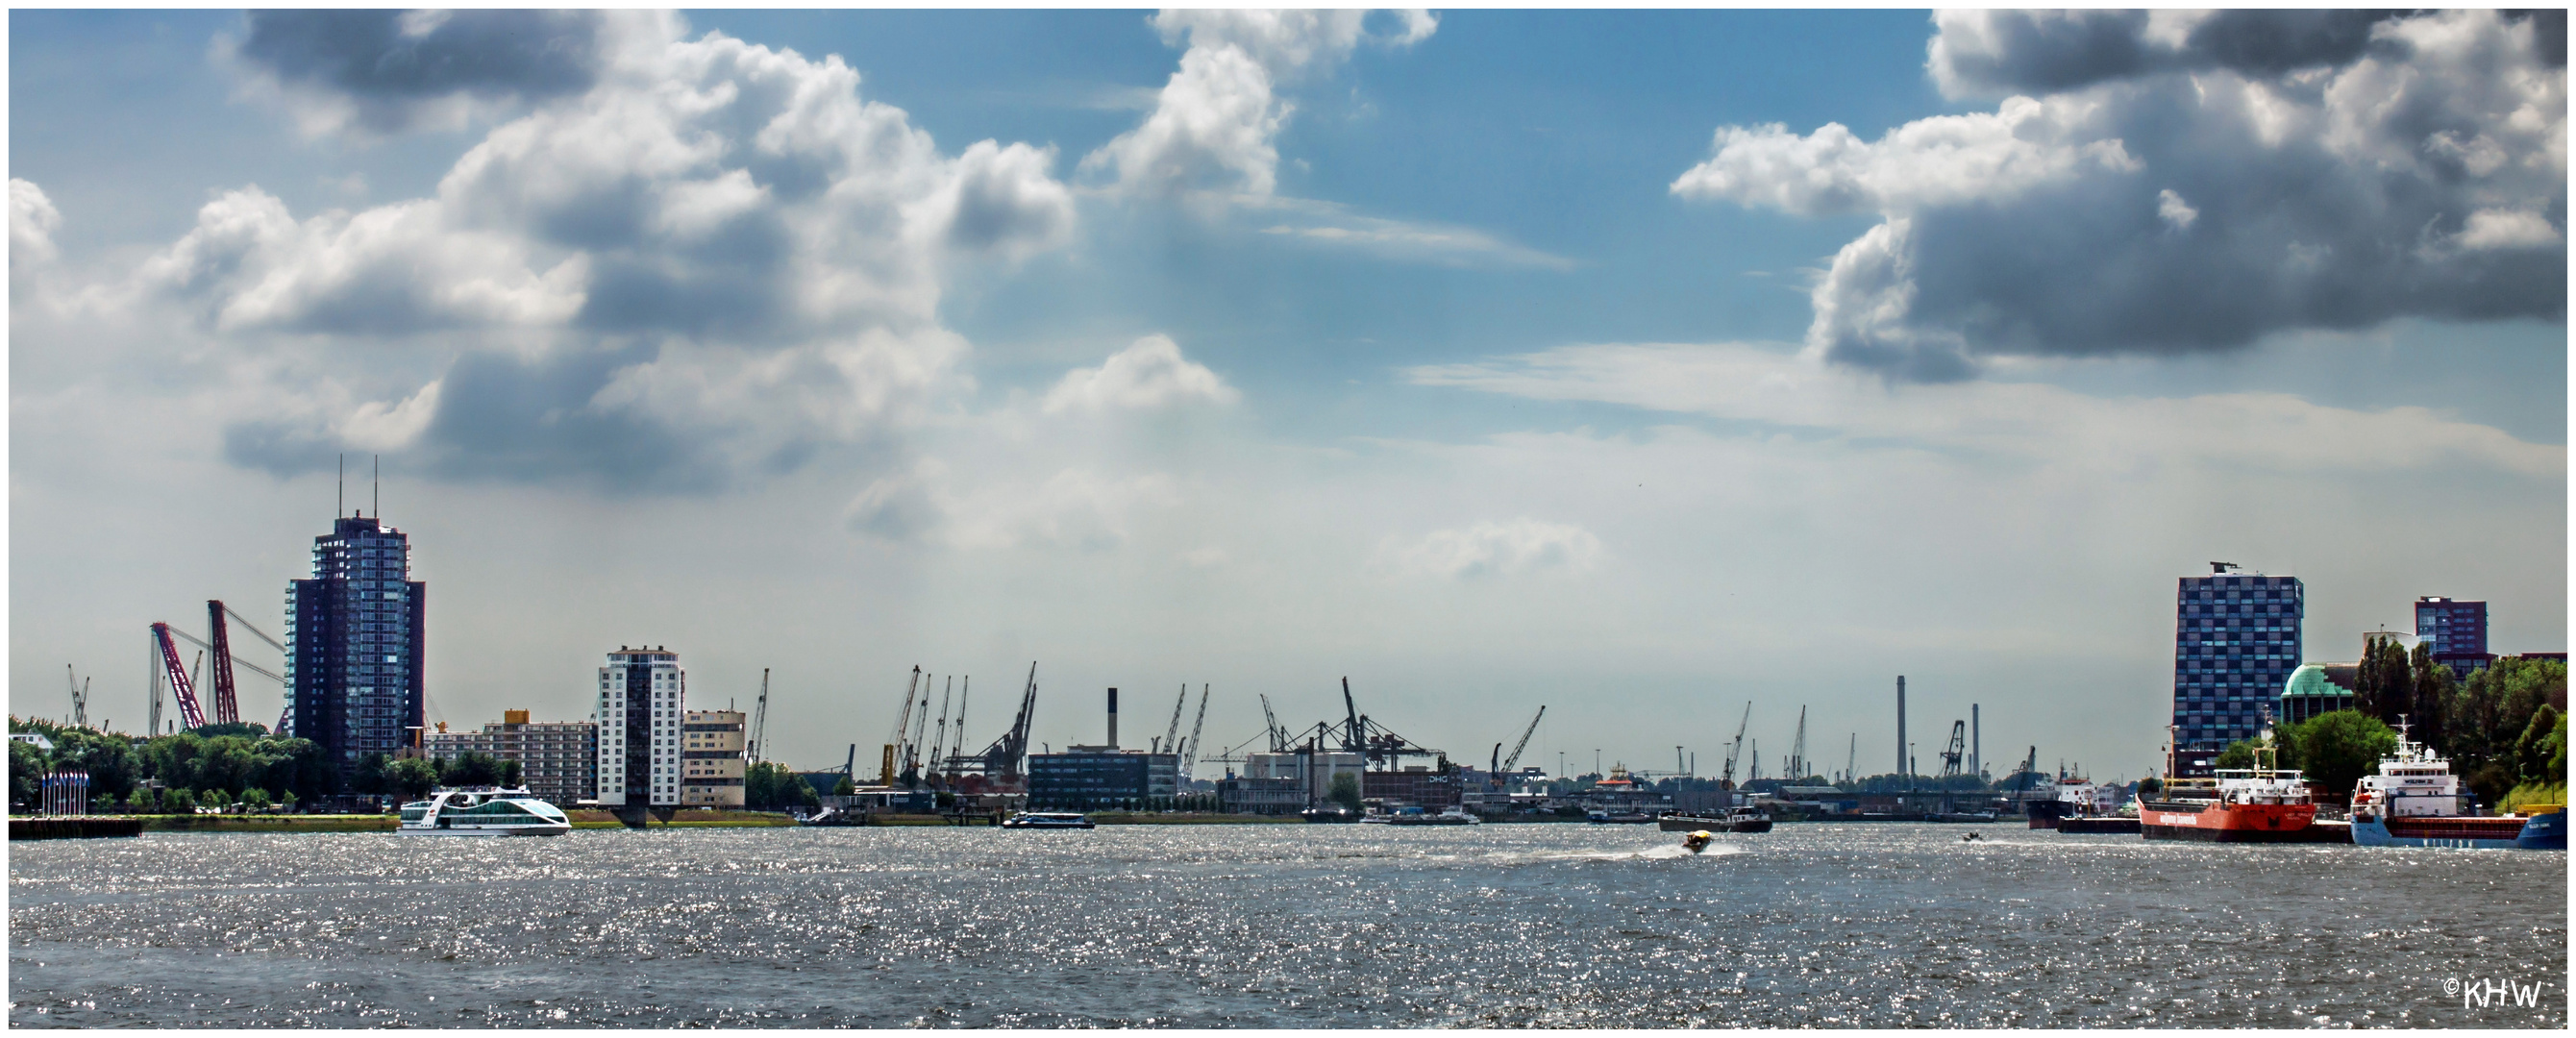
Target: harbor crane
[(894, 748), (759, 720), (1950, 762), (1172, 732), (1278, 735), (1851, 759), (939, 735), (1002, 759), (1506, 764), (80, 698), (1798, 749), (181, 688), (956, 753), (1726, 779), (1190, 749)]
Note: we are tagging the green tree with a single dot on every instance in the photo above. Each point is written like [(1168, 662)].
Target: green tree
[(2336, 749), (412, 777), (844, 787), (2532, 752), (2429, 697), (511, 773), (27, 768), (2150, 786), (288, 801), (179, 801), (218, 799), (2488, 714), (1344, 790), (255, 799), (470, 768), (370, 776), (2238, 754)]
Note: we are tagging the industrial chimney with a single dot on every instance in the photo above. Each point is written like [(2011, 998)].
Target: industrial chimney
[(1901, 762), (1113, 719)]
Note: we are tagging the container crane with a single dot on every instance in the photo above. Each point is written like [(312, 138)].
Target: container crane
[(894, 747), (1950, 761), (1002, 759)]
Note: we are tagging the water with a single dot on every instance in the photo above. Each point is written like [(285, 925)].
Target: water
[(1276, 926)]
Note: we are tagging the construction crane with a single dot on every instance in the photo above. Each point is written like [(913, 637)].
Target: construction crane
[(227, 704), (1798, 749), (80, 698), (1190, 749), (759, 720), (1950, 761), (181, 688)]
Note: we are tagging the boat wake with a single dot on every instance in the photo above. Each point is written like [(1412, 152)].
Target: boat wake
[(1657, 853)]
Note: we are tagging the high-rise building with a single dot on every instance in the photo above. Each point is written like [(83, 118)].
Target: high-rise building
[(558, 760), (711, 764), (642, 693), (354, 631), (2236, 640), (2457, 632)]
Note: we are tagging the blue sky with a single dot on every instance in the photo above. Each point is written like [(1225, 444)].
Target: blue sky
[(1635, 363)]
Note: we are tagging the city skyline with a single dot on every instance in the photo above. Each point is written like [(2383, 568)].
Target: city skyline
[(1637, 364)]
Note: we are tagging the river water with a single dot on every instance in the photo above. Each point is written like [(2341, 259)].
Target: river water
[(1277, 926)]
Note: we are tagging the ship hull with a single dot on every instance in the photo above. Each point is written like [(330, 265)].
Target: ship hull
[(2501, 834), (2227, 823)]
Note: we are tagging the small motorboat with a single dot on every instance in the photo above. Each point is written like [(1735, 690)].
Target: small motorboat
[(1047, 820), (1971, 838), (1698, 841)]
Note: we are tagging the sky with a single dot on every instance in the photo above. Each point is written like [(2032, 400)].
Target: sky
[(1642, 365)]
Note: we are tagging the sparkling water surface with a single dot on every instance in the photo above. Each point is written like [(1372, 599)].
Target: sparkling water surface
[(1278, 926)]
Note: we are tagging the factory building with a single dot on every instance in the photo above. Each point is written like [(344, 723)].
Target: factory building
[(642, 694), (1096, 778), (2236, 642), (354, 635), (558, 760), (711, 764), (1286, 783)]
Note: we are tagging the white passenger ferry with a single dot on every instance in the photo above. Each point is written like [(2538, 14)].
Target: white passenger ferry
[(483, 811)]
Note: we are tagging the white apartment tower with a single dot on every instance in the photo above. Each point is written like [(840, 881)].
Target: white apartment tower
[(641, 695)]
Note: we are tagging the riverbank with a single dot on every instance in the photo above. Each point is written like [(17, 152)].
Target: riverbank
[(691, 819), (268, 823)]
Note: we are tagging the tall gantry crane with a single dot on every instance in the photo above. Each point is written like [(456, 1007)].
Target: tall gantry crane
[(894, 747), (1003, 758), (1798, 749), (181, 689), (1950, 761), (80, 698)]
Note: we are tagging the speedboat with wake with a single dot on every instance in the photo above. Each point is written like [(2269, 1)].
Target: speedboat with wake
[(1698, 841)]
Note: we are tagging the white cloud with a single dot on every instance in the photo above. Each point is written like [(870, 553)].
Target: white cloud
[(32, 220), (2024, 420), (683, 261), (1215, 125), (2333, 170), (1149, 373), (1490, 549)]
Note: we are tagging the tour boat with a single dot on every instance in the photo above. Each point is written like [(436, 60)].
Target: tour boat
[(1728, 820), (1417, 816), (2415, 801), (2251, 805), (483, 811), (1047, 820)]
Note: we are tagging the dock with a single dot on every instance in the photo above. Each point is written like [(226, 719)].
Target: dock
[(74, 828)]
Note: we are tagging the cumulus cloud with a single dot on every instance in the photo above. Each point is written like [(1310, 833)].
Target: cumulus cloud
[(1487, 550), (384, 71), (2183, 182), (1214, 126), (1149, 373), (683, 261), (32, 219)]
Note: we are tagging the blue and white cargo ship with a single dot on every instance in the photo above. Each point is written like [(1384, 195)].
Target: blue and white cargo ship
[(2415, 801)]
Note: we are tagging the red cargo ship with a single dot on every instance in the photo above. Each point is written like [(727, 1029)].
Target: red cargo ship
[(2252, 805)]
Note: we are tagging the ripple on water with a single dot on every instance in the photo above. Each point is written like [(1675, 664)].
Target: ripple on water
[(1551, 925)]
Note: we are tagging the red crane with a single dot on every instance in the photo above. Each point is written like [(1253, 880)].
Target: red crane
[(227, 707), (179, 686)]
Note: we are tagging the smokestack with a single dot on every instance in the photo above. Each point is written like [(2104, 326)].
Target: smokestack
[(1976, 739), (1901, 769), (1113, 718)]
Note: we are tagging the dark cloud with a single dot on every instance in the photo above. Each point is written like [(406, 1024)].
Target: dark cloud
[(2004, 52), (389, 63)]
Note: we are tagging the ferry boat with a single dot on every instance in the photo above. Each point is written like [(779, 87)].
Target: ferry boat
[(2415, 801), (1727, 820), (1417, 816), (1047, 820), (2250, 805), (482, 811)]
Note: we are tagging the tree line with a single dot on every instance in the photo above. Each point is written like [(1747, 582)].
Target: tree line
[(2503, 730)]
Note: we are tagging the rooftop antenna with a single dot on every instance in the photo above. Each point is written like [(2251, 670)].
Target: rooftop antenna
[(377, 506), (341, 503)]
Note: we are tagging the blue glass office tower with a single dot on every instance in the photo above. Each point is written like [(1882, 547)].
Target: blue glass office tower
[(2456, 631), (2236, 641), (354, 637)]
